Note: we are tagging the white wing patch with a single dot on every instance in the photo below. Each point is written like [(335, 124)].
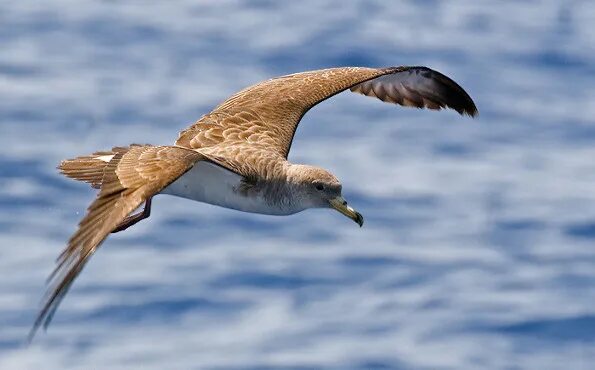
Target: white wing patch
[(105, 158)]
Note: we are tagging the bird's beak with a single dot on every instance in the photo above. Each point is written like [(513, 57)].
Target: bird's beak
[(340, 204)]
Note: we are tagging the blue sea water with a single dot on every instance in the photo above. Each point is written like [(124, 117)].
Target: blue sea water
[(478, 250)]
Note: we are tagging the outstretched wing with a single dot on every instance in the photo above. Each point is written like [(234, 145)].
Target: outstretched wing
[(268, 113), (131, 176)]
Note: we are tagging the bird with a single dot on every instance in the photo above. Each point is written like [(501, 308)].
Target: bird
[(234, 157)]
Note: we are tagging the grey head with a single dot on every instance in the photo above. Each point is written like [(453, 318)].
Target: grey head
[(315, 187)]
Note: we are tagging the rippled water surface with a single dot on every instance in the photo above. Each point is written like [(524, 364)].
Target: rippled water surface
[(479, 245)]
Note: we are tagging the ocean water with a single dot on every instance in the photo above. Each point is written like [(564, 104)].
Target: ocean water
[(478, 250)]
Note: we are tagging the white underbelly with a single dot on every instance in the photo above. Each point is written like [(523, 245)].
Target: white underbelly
[(209, 183)]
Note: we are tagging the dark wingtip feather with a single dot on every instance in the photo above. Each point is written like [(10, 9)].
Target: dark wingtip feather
[(448, 93), (456, 97)]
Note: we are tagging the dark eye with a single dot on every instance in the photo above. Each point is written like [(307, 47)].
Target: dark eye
[(319, 187)]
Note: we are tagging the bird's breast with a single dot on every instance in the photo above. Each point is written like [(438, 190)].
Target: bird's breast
[(210, 183)]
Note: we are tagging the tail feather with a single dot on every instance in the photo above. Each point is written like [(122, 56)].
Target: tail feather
[(90, 168)]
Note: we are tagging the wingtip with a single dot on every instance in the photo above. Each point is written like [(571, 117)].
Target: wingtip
[(32, 332), (38, 323), (466, 104), (29, 339), (470, 111), (42, 321)]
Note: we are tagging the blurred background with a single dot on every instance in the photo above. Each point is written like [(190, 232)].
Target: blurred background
[(478, 250)]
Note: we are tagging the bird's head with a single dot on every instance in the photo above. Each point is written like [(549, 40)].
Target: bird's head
[(319, 188)]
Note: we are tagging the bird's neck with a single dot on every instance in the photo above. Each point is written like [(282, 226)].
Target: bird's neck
[(283, 190)]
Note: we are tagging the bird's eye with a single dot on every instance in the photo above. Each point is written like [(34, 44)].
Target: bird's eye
[(319, 187)]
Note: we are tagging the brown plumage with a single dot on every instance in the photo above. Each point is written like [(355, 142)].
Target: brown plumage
[(89, 168), (267, 114), (248, 135), (130, 177)]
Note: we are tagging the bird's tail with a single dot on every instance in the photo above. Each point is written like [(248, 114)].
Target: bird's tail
[(90, 168)]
